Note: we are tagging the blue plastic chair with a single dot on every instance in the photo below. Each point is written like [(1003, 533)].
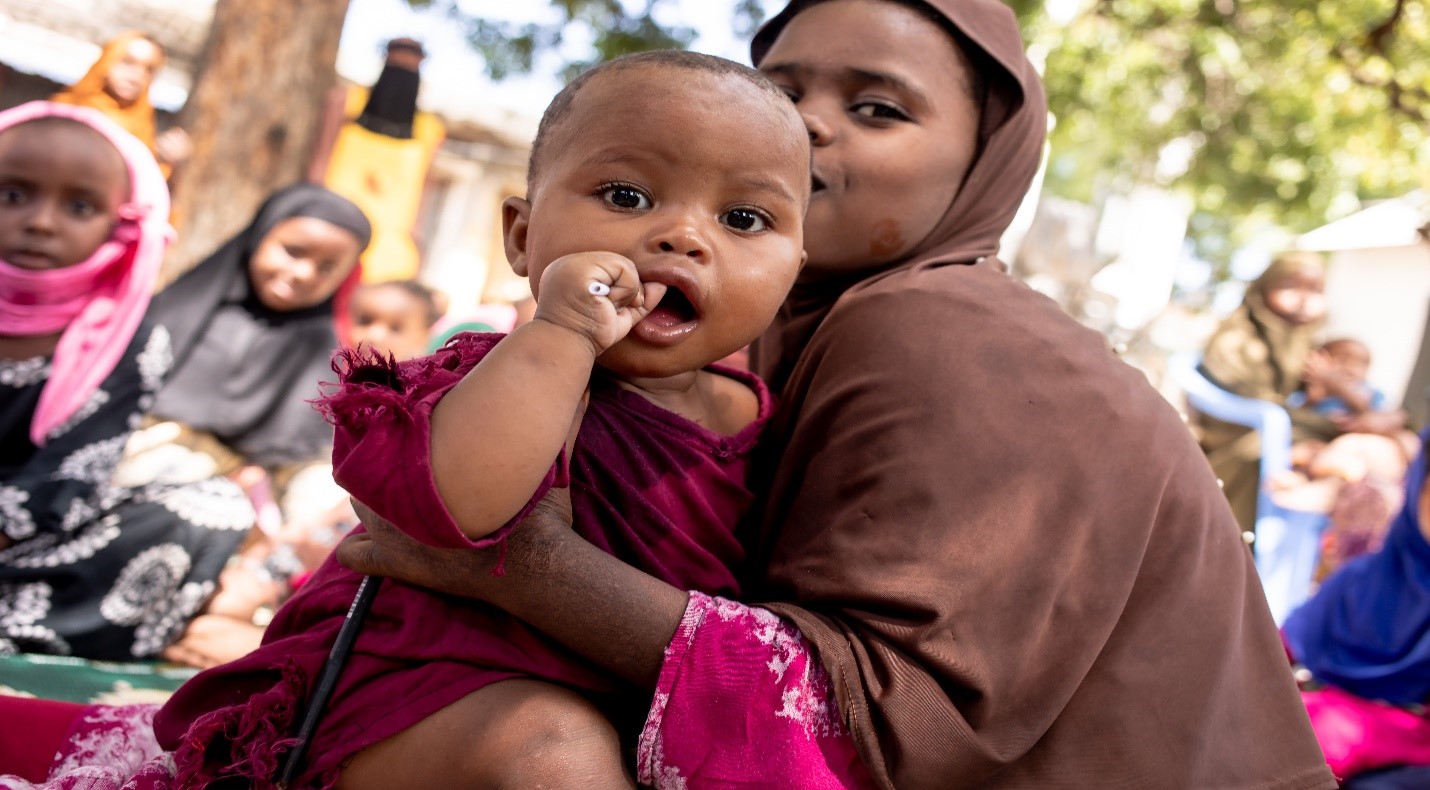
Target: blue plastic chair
[(1288, 542)]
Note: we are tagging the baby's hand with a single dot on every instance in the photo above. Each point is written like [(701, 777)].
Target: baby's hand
[(567, 299)]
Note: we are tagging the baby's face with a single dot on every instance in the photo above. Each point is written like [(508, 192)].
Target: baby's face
[(390, 321), (1352, 359), (701, 180), (61, 186)]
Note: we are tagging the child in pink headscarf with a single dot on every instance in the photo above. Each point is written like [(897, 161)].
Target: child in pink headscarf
[(86, 568)]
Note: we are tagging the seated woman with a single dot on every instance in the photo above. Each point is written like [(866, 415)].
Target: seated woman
[(1365, 637), (252, 328), (1259, 352), (89, 566)]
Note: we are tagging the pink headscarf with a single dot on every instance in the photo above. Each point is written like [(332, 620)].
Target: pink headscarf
[(100, 301)]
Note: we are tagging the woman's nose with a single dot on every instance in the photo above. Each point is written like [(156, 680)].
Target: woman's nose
[(821, 132)]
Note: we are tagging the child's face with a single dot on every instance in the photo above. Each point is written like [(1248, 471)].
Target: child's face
[(61, 185), (700, 180), (884, 94), (130, 76), (390, 321), (1299, 297), (1351, 358), (301, 262)]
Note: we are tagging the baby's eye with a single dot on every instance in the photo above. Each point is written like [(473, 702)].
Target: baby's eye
[(879, 110), (625, 197), (11, 196), (745, 219)]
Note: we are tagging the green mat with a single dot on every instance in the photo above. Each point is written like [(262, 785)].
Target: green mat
[(79, 680)]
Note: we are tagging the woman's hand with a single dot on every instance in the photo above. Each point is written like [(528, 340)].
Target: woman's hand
[(613, 614), (384, 550)]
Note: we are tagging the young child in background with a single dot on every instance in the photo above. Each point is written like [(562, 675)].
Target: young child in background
[(88, 567), (1334, 381), (655, 249), (395, 317)]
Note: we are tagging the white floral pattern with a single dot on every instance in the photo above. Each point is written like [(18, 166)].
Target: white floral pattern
[(113, 748), (21, 373), (97, 400), (163, 624), (80, 512), (22, 607), (92, 463), (146, 584), (48, 552), (215, 503), (15, 519), (155, 360)]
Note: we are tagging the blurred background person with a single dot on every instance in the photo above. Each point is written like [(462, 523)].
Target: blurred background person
[(118, 86)]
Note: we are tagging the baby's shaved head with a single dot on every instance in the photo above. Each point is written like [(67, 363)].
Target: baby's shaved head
[(560, 107)]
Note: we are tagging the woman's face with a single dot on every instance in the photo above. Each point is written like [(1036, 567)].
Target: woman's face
[(885, 94), (130, 76), (1298, 297), (301, 262)]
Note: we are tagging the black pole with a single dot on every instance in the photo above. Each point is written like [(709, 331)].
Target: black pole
[(328, 680)]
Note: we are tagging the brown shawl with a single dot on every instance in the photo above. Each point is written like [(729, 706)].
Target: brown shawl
[(1255, 352), (1004, 545)]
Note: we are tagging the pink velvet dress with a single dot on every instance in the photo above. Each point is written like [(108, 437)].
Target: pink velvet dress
[(657, 490)]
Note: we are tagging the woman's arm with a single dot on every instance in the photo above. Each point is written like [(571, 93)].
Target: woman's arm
[(611, 613), (738, 692)]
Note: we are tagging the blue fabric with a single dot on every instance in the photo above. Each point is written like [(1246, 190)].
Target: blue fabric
[(1332, 405), (1368, 628)]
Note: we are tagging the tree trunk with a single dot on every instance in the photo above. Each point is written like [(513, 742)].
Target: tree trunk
[(252, 116)]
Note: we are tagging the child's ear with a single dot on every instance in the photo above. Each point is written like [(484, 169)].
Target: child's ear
[(515, 219)]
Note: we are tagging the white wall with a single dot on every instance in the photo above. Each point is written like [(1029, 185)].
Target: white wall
[(1381, 296)]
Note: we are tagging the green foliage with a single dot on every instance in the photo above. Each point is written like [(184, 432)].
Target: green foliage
[(1280, 112), (611, 27)]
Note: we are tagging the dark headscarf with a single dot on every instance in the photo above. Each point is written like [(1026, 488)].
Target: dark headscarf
[(1367, 629), (392, 103), (1003, 544), (244, 372)]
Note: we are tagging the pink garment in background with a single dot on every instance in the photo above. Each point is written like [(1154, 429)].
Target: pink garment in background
[(1358, 735), (743, 702), (97, 302)]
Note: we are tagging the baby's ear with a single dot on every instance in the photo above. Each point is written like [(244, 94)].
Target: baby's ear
[(515, 219)]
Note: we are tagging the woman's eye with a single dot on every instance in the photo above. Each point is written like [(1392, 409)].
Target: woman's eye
[(624, 197), (745, 219), (877, 110)]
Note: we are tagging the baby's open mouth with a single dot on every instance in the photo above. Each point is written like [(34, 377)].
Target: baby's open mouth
[(674, 308)]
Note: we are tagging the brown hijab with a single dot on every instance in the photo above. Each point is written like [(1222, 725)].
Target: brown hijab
[(1255, 352), (1002, 543)]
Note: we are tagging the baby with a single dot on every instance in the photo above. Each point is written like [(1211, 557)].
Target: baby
[(661, 231), (1334, 381)]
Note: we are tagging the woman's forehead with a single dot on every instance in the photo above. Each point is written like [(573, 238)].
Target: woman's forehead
[(856, 38)]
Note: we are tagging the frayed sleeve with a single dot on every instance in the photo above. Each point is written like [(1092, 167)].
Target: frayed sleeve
[(743, 701), (381, 411)]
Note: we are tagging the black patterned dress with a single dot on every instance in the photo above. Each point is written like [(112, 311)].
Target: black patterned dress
[(95, 569)]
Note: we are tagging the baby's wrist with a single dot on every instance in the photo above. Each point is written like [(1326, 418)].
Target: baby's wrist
[(581, 337)]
